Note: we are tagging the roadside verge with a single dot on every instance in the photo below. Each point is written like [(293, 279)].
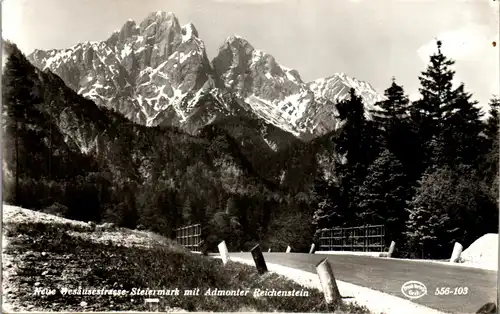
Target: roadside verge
[(375, 301)]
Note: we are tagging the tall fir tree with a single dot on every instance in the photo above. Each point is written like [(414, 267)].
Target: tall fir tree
[(461, 141), (382, 197), (324, 208), (493, 121), (395, 129), (490, 169), (357, 143), (392, 110), (16, 91), (448, 121), (436, 92)]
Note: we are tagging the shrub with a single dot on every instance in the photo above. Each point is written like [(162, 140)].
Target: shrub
[(56, 209)]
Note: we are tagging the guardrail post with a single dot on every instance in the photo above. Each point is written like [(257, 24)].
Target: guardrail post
[(455, 255), (364, 238), (351, 237), (288, 249), (223, 252), (311, 251), (258, 258), (342, 238), (391, 249), (328, 283)]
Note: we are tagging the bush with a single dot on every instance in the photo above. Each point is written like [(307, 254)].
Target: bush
[(450, 205), (56, 209), (291, 229), (140, 227), (224, 227)]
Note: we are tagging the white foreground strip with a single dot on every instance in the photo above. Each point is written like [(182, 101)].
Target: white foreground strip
[(375, 301)]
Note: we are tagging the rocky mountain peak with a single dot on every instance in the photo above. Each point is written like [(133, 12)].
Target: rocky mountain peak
[(128, 30), (157, 73), (159, 23), (237, 40), (189, 31), (141, 71), (238, 45)]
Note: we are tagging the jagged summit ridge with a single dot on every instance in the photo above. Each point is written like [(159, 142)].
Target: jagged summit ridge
[(336, 87), (156, 72), (141, 70), (278, 94)]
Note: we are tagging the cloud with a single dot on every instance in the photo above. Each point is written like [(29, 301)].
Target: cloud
[(466, 43), (12, 19), (477, 63)]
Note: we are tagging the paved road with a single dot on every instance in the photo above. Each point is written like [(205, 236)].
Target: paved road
[(388, 275)]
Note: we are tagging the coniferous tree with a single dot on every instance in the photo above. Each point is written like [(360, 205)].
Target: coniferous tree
[(490, 167), (16, 91), (436, 94), (187, 211), (395, 129), (493, 121), (382, 197), (461, 142), (392, 110), (321, 217), (320, 193), (447, 120), (231, 207), (357, 143)]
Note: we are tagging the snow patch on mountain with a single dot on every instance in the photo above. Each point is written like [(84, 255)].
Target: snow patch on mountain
[(294, 106), (141, 71), (336, 88), (270, 113), (127, 50), (160, 68), (278, 95)]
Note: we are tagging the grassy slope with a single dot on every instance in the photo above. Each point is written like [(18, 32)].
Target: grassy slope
[(50, 252)]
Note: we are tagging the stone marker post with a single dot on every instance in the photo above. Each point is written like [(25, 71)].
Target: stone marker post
[(455, 255), (311, 251), (488, 308), (223, 252), (391, 249), (328, 283), (258, 258)]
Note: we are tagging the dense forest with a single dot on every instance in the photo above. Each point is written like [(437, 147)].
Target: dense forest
[(66, 156), (426, 169)]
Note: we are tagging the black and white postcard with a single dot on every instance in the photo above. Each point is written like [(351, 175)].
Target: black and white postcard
[(336, 156)]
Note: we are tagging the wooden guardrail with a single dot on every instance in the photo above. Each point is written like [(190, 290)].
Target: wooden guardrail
[(368, 238)]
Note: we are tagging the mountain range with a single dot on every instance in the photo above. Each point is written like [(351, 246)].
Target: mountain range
[(157, 73), (65, 154), (142, 128)]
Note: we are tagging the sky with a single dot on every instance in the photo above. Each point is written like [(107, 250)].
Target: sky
[(371, 40)]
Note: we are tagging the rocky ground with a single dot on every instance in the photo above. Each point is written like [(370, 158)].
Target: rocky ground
[(42, 251)]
